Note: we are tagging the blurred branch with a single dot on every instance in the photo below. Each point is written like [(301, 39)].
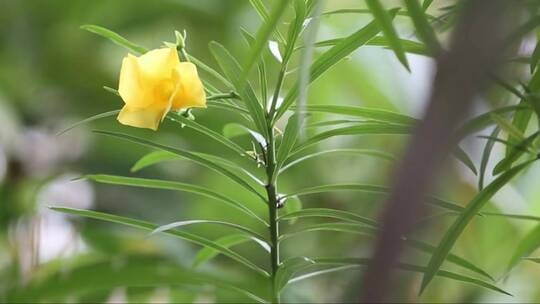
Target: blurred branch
[(462, 73)]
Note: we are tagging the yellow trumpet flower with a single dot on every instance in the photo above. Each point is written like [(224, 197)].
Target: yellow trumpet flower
[(154, 84)]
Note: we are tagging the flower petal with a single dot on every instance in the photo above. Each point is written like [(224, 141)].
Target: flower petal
[(190, 93), (159, 63), (131, 87), (149, 117)]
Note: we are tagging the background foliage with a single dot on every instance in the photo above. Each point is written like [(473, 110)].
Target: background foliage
[(52, 74)]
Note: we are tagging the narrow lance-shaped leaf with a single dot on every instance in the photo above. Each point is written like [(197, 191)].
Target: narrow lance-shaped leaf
[(515, 153), (423, 29), (114, 37), (385, 23), (289, 138), (233, 71), (178, 118), (263, 34), (453, 233), (262, 11), (370, 189), (149, 226), (333, 56), (288, 268), (208, 253), (171, 185), (189, 155), (179, 224), (329, 213), (406, 267), (485, 157), (90, 119), (526, 246)]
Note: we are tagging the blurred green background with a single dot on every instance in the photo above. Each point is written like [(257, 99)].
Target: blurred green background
[(51, 75)]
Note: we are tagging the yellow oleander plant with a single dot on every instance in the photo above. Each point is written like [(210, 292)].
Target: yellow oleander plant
[(171, 83)]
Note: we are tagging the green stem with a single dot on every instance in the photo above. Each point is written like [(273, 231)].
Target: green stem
[(231, 95), (272, 208), (279, 85)]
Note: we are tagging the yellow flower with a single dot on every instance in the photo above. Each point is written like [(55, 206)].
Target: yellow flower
[(154, 84)]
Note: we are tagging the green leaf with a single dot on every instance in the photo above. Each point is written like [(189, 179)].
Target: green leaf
[(295, 28), (513, 216), (385, 23), (453, 233), (370, 189), (426, 4), (515, 153), (114, 37), (88, 120), (150, 226), (227, 106), (288, 268), (369, 113), (536, 260), (262, 11), (233, 71), (367, 128), (519, 125), (289, 138), (178, 118), (189, 155), (507, 127), (329, 213), (482, 121), (367, 152), (372, 232), (153, 158), (208, 253), (171, 185), (103, 274), (424, 30), (525, 247), (462, 156), (407, 267), (331, 57), (178, 224), (535, 57), (485, 157), (263, 34)]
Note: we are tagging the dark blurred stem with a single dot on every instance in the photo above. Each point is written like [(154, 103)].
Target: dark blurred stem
[(272, 209)]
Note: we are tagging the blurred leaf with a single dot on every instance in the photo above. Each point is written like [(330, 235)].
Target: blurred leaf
[(330, 213), (227, 106), (150, 226), (485, 120), (520, 122), (385, 23), (525, 247), (288, 268), (515, 153), (333, 56), (233, 71), (536, 260), (295, 28), (368, 152), (370, 113), (367, 128), (210, 71), (406, 267), (535, 57), (262, 11), (372, 232), (178, 118), (424, 30), (153, 158), (106, 275), (461, 155), (508, 127), (370, 188), (409, 46), (486, 153), (114, 37), (263, 34), (178, 224), (189, 155), (208, 253), (171, 185), (426, 4), (89, 119), (453, 233)]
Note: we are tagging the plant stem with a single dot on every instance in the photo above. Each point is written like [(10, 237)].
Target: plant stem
[(272, 209)]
